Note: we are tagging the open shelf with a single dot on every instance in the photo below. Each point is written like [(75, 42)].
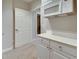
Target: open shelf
[(50, 5), (52, 14), (43, 4)]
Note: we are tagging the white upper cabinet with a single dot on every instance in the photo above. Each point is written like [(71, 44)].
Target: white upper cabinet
[(68, 6), (53, 7), (58, 7)]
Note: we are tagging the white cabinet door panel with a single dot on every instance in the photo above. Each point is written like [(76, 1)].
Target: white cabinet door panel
[(67, 6), (56, 55), (43, 53)]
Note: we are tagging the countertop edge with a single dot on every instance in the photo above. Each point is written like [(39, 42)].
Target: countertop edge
[(69, 43)]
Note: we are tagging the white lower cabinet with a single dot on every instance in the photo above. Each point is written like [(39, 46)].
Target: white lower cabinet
[(53, 50), (56, 55), (43, 53)]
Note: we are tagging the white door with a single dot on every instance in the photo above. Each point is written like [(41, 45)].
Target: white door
[(56, 55), (43, 53), (23, 31)]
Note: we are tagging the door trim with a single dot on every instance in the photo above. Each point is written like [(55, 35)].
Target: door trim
[(13, 24)]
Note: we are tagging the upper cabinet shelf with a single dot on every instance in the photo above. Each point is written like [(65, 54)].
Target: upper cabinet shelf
[(45, 1), (58, 7), (52, 9)]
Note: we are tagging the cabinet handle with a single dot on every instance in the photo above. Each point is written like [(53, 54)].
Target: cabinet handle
[(50, 48), (60, 46), (65, 0), (47, 47), (16, 30)]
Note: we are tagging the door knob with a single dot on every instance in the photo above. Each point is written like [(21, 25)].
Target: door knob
[(3, 34), (16, 30)]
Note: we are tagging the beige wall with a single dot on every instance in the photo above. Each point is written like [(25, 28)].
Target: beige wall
[(63, 25), (7, 24), (35, 4), (7, 21), (21, 4)]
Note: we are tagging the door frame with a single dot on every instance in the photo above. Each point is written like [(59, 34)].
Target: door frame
[(13, 23), (38, 23), (13, 8)]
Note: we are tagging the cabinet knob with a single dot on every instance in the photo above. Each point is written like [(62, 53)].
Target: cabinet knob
[(50, 48), (16, 30), (60, 46), (47, 47)]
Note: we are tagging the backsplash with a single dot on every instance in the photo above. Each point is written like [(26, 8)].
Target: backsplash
[(63, 25)]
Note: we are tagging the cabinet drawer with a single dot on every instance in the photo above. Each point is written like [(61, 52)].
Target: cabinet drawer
[(44, 42), (38, 41), (64, 48)]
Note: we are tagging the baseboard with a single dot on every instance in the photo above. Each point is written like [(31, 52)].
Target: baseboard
[(7, 49)]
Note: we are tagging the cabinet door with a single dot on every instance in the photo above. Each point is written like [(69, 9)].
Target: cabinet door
[(56, 55), (67, 6), (43, 53), (44, 1)]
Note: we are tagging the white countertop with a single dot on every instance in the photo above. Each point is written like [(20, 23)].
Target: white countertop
[(65, 40)]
